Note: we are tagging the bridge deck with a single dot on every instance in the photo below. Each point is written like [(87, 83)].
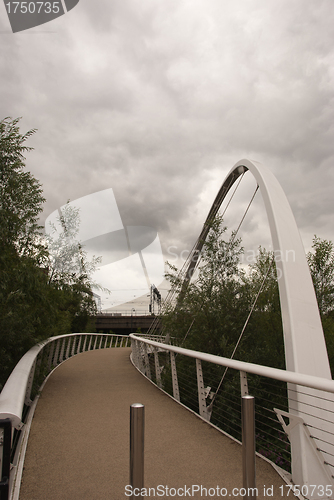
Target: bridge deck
[(79, 442)]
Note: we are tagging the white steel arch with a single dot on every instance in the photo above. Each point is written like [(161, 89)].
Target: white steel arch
[(305, 348)]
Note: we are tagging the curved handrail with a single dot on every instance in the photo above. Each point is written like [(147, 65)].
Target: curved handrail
[(313, 420), (319, 383), (16, 391), (35, 365), (13, 394)]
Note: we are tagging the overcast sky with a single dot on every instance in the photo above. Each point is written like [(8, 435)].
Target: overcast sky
[(158, 99)]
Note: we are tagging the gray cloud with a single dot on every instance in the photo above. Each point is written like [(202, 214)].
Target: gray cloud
[(159, 99)]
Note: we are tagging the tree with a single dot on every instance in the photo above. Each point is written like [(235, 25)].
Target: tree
[(67, 260), (230, 312), (29, 309), (69, 268), (21, 197), (23, 311), (263, 343), (211, 313), (33, 305), (321, 263)]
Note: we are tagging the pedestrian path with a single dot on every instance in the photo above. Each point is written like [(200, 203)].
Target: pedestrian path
[(78, 446)]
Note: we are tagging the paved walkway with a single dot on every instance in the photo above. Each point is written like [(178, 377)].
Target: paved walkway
[(79, 442)]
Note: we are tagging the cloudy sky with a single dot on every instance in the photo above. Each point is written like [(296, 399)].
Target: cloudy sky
[(158, 99)]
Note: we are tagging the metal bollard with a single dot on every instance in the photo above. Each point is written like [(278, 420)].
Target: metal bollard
[(137, 425), (248, 446)]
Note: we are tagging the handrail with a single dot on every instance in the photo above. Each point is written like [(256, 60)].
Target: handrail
[(36, 365), (266, 371), (298, 403), (119, 313), (14, 393)]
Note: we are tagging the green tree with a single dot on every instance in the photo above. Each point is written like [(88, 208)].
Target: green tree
[(230, 311), (321, 263), (211, 312), (21, 198), (23, 309), (32, 306), (29, 310), (263, 342)]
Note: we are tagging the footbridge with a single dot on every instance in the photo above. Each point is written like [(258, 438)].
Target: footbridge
[(64, 410), (124, 323)]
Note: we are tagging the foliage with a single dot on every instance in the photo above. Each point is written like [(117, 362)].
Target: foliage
[(321, 263), (21, 196), (230, 311), (211, 317), (26, 312), (33, 305), (263, 343), (212, 307), (67, 260)]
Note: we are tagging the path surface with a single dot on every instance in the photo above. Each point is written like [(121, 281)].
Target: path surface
[(79, 441)]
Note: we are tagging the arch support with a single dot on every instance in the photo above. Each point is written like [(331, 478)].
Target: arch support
[(305, 348)]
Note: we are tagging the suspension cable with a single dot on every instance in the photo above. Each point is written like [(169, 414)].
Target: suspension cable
[(172, 292), (229, 244), (243, 329), (246, 211), (232, 195)]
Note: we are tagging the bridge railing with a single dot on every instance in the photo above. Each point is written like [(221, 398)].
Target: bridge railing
[(122, 312), (19, 395), (192, 378)]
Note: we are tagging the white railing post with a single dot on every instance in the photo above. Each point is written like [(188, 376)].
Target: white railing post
[(140, 357), (68, 347), (79, 344), (27, 399), (176, 392), (203, 410), (85, 342), (157, 368), (96, 337), (56, 354), (134, 352), (61, 356), (52, 347), (146, 362), (73, 345), (243, 383)]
